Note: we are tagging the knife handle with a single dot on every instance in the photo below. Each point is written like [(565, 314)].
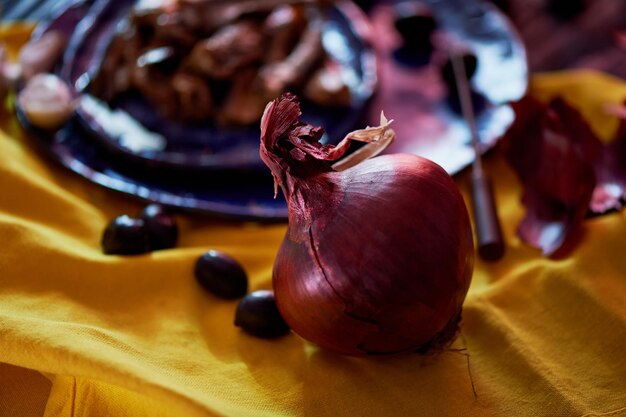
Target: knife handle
[(486, 222)]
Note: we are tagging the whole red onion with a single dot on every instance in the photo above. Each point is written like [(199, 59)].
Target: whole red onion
[(378, 257)]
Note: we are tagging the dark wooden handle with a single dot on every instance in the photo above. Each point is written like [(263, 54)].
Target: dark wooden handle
[(486, 221)]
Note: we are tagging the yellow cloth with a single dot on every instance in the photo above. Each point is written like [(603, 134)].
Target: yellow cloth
[(84, 334)]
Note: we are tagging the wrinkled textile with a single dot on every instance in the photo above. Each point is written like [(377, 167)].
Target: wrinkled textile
[(85, 334)]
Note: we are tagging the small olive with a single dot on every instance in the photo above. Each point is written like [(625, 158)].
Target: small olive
[(221, 275), (258, 315), (161, 226), (125, 235)]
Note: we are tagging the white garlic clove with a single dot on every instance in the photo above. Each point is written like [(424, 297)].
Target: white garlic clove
[(46, 101)]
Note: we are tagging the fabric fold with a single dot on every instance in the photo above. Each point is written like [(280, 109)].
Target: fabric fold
[(138, 336)]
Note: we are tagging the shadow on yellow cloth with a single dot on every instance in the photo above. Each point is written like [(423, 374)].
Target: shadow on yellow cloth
[(136, 336)]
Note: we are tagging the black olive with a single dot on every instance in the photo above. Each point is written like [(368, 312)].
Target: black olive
[(161, 226), (565, 9), (126, 236), (415, 23), (447, 71), (221, 275), (258, 315)]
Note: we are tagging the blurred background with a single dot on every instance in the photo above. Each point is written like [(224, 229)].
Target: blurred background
[(559, 34)]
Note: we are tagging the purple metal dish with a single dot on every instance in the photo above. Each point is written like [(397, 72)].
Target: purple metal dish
[(425, 123)]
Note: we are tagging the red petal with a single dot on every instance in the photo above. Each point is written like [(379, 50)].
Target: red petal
[(558, 181), (612, 173), (620, 39), (523, 139), (608, 160)]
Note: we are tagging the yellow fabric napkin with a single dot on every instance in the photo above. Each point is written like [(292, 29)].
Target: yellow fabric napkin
[(84, 334)]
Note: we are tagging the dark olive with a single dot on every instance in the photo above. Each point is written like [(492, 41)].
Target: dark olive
[(258, 315), (161, 226), (415, 23), (221, 275), (125, 236), (565, 9), (447, 71)]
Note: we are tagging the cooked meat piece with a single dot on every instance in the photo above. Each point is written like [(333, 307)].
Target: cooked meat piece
[(157, 89), (245, 103), (114, 73), (277, 77), (284, 27), (164, 59), (208, 15), (170, 30), (41, 55), (194, 97), (146, 14), (184, 56), (228, 50), (143, 6), (327, 87), (144, 24)]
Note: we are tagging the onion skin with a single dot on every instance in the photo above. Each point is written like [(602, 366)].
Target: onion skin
[(377, 259)]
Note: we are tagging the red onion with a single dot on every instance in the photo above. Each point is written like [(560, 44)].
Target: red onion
[(378, 257)]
